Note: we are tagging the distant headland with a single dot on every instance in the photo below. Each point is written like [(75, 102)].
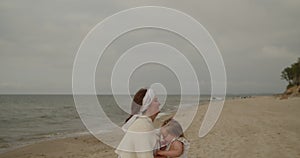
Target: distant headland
[(292, 75)]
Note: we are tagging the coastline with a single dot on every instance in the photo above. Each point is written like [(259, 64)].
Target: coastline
[(261, 126)]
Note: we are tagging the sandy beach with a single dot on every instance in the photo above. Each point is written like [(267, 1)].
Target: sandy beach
[(252, 127)]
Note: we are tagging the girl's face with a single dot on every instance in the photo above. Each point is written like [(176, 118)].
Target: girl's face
[(166, 136)]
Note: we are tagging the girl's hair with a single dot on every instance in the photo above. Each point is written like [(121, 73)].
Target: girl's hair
[(137, 102), (173, 127)]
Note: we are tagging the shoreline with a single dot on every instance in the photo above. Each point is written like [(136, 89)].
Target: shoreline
[(8, 145), (28, 143), (61, 137), (260, 126)]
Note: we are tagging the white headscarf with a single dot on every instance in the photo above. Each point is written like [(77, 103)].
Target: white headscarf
[(148, 98)]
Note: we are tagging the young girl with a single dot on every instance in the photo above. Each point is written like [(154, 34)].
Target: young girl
[(173, 138)]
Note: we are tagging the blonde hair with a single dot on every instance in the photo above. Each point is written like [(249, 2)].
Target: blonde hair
[(173, 127)]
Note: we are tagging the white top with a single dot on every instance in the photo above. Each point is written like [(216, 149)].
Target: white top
[(139, 140)]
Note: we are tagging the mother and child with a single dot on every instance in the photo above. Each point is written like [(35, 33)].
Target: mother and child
[(142, 140)]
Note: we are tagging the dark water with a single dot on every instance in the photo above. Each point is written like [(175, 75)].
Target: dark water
[(26, 119), (30, 118)]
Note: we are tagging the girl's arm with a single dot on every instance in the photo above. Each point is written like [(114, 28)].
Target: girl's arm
[(176, 150)]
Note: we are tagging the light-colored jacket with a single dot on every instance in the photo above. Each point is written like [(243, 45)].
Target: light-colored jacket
[(139, 140)]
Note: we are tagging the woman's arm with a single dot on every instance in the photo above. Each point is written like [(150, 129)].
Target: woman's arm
[(176, 150)]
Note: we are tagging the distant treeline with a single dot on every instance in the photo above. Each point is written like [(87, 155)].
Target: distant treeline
[(292, 74)]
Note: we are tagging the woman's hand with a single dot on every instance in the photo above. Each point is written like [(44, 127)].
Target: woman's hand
[(159, 156)]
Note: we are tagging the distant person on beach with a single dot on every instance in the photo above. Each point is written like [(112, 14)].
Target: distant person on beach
[(140, 139), (174, 141)]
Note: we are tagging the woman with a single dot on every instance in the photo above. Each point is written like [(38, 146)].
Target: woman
[(140, 139)]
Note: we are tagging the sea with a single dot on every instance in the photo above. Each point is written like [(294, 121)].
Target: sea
[(27, 119)]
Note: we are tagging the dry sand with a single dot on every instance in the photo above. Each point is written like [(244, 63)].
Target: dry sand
[(252, 127)]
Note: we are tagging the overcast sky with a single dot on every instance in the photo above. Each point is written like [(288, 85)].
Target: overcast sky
[(39, 41)]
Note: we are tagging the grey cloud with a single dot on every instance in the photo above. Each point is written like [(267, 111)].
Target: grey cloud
[(39, 40)]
